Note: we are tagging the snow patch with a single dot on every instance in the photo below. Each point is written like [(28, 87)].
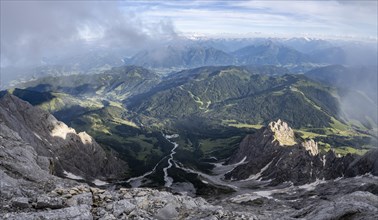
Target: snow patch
[(258, 175), (171, 136), (241, 162), (266, 193), (324, 160), (244, 198), (39, 137), (213, 179), (311, 186), (72, 176), (98, 182)]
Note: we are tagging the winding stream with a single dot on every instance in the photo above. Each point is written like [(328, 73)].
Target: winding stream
[(168, 180), (216, 179), (137, 181)]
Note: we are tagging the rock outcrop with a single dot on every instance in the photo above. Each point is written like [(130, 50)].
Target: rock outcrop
[(60, 150), (311, 146), (368, 163), (282, 133), (84, 202), (356, 205), (29, 191), (273, 154)]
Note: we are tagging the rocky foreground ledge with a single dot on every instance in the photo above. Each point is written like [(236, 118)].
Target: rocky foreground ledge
[(84, 202)]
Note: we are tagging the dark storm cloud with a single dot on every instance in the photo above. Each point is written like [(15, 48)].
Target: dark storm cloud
[(31, 30)]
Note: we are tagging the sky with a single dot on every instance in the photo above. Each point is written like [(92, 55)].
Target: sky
[(31, 30), (284, 18)]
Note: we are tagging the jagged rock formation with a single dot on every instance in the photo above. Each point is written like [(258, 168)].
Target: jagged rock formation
[(29, 191), (59, 148), (268, 157), (282, 133), (366, 164), (23, 173), (311, 146)]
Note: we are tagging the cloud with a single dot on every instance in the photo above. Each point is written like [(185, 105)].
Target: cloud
[(31, 30), (350, 18)]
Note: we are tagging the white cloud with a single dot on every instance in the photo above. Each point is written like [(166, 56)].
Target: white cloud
[(31, 30), (355, 18)]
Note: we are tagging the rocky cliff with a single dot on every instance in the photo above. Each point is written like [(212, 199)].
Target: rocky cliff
[(272, 153), (28, 190), (60, 149)]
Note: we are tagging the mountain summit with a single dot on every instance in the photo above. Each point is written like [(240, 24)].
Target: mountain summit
[(273, 154), (282, 133)]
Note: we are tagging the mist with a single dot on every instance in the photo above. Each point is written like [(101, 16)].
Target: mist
[(359, 102), (33, 30)]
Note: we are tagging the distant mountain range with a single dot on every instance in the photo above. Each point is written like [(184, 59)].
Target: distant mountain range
[(184, 57), (297, 54), (264, 53)]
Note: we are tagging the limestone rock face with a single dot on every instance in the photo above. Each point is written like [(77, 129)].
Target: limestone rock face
[(58, 147), (311, 146), (22, 177), (282, 133)]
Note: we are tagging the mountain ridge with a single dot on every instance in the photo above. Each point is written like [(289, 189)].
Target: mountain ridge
[(273, 154), (68, 151)]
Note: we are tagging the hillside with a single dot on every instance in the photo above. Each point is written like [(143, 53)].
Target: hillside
[(297, 55), (127, 108), (117, 83), (235, 93)]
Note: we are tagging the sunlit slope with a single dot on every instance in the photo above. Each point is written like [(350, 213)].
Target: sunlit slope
[(246, 97), (116, 84)]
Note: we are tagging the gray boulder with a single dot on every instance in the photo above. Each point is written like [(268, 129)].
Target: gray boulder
[(49, 202)]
